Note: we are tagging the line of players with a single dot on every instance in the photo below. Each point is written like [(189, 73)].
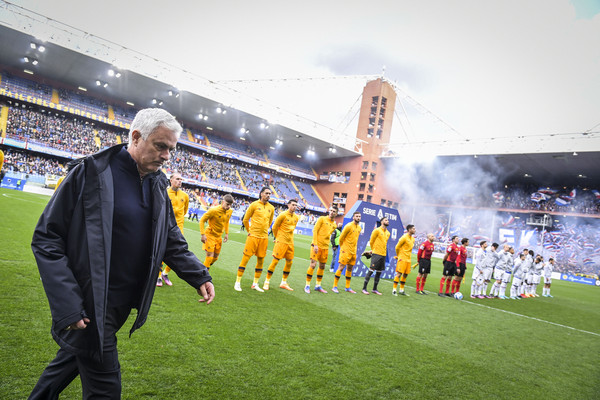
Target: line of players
[(525, 270), (259, 217)]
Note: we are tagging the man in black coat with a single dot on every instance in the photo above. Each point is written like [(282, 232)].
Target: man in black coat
[(99, 245)]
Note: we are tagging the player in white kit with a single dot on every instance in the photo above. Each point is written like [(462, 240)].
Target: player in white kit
[(548, 268), (477, 277), (517, 276)]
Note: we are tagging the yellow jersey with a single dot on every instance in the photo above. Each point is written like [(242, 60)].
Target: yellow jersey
[(378, 241), (349, 237), (283, 228), (260, 217), (322, 232), (218, 221), (180, 201), (404, 247)]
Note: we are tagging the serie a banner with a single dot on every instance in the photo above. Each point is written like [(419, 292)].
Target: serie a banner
[(370, 216)]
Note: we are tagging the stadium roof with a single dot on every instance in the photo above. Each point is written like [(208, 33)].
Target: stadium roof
[(74, 68)]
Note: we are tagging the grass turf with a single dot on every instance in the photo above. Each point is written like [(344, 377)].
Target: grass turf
[(282, 344)]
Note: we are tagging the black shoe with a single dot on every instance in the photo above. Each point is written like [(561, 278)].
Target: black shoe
[(423, 292), (441, 294), (449, 295)]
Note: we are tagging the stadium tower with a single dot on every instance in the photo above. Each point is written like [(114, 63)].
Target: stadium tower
[(364, 177)]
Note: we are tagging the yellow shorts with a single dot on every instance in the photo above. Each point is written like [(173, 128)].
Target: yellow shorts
[(283, 250), (403, 267), (347, 258), (256, 246), (321, 255), (213, 244)]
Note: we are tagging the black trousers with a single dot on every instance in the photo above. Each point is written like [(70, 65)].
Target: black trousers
[(99, 380)]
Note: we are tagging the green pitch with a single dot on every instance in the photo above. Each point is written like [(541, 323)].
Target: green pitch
[(290, 345)]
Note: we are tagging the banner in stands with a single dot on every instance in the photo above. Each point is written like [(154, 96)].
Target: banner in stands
[(370, 216), (10, 182)]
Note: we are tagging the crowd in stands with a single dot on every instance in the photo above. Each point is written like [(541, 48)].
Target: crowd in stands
[(57, 130), (585, 202), (28, 163)]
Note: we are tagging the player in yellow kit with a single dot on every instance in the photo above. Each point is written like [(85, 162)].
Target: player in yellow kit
[(218, 222), (403, 254), (348, 242), (319, 248), (180, 201), (283, 231), (257, 220), (378, 243)]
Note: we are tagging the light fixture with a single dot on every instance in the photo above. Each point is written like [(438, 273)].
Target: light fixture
[(98, 83), (310, 152), (278, 142), (574, 153), (118, 74), (26, 59), (129, 103), (219, 110), (205, 117), (527, 176), (111, 72), (160, 103), (105, 84), (242, 138), (41, 49), (82, 89), (272, 148), (33, 45), (201, 116), (298, 155), (28, 71), (170, 93), (154, 101), (242, 130), (209, 128)]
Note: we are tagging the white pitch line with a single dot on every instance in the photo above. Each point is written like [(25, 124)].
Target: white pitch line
[(486, 306), (534, 318)]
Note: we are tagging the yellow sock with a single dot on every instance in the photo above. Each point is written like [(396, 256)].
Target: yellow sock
[(309, 275), (271, 269), (258, 269), (286, 270), (348, 277), (402, 283), (336, 277), (208, 261), (320, 273), (166, 270)]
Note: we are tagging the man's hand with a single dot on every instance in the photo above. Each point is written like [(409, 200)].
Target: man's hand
[(203, 238), (207, 291), (81, 324), (316, 248), (226, 238)]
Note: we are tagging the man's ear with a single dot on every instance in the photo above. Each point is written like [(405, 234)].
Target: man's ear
[(136, 136)]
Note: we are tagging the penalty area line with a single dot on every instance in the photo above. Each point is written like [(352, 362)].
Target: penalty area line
[(534, 318)]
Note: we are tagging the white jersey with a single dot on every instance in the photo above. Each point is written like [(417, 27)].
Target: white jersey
[(517, 270), (480, 256), (536, 269), (491, 259), (500, 264), (548, 268), (527, 263)]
